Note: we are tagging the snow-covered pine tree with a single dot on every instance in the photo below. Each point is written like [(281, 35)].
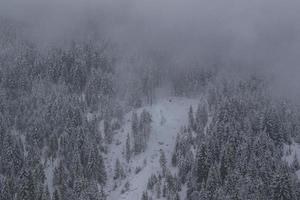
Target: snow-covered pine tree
[(135, 133), (158, 189), (201, 166), (95, 167), (163, 162), (201, 119), (213, 180), (56, 195), (7, 190), (128, 148), (119, 171), (108, 133), (27, 190), (191, 120), (46, 194), (282, 185), (144, 128), (295, 164), (145, 196)]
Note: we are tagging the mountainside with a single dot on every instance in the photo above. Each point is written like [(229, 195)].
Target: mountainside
[(91, 118), (168, 116)]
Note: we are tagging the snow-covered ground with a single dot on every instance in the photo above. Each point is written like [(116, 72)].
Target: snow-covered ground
[(168, 116), (290, 153), (49, 173)]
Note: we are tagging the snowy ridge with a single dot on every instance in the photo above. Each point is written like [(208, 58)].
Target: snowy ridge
[(168, 116)]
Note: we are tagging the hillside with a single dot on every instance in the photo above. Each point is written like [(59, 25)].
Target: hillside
[(168, 116)]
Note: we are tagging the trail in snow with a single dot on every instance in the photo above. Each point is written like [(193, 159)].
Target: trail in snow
[(168, 116)]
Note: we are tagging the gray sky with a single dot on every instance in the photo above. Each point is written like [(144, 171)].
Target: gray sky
[(256, 34)]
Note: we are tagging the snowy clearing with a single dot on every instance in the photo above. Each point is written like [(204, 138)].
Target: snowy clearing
[(168, 116)]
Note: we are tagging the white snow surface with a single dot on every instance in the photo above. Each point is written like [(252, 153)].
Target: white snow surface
[(163, 136), (290, 151), (49, 173)]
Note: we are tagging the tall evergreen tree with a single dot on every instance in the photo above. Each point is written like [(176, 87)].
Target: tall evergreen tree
[(27, 190), (201, 119), (191, 122), (213, 180), (201, 165), (135, 133), (95, 167), (128, 148), (282, 186), (163, 162)]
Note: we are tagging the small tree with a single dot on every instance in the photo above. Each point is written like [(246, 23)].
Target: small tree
[(145, 196), (119, 172), (163, 162), (158, 190), (191, 125), (164, 193), (128, 149), (295, 164)]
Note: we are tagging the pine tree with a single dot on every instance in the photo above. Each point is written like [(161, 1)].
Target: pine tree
[(203, 194), (213, 180), (191, 123), (7, 154), (46, 194), (135, 133), (7, 191), (119, 171), (144, 128), (164, 193), (27, 189), (56, 195), (151, 182), (195, 196), (158, 190), (95, 167), (282, 185), (295, 164), (201, 165), (272, 125), (77, 168), (163, 162), (201, 119), (108, 134), (17, 159), (53, 146), (177, 197), (227, 161), (145, 196), (128, 149)]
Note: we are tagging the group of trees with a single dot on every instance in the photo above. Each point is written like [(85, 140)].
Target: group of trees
[(232, 146), (163, 185), (191, 80), (141, 128), (239, 156), (44, 101)]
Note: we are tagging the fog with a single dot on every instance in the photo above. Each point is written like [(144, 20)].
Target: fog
[(261, 35)]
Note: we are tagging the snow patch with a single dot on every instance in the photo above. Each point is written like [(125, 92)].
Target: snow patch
[(168, 116), (290, 152)]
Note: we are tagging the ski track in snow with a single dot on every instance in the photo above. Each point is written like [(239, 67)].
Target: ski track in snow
[(163, 136)]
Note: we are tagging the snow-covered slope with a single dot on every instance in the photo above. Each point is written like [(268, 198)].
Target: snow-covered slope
[(292, 152), (168, 116)]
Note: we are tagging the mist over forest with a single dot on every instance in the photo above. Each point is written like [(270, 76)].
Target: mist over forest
[(149, 99)]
